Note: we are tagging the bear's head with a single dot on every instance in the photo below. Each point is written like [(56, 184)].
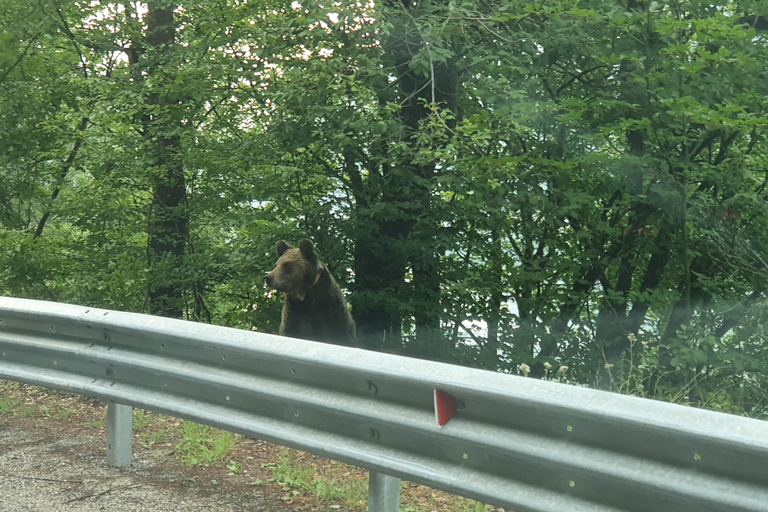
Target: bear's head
[(297, 270)]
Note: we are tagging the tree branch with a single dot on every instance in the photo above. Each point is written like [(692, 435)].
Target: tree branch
[(21, 57), (62, 176)]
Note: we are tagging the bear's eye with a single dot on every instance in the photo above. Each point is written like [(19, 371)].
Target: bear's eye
[(288, 267)]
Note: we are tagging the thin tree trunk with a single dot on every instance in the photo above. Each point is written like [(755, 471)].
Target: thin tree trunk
[(63, 175)]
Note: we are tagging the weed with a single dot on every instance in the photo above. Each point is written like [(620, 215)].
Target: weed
[(7, 405), (148, 439), (223, 443), (290, 472), (419, 498), (202, 445), (344, 483), (63, 414), (141, 419), (328, 490), (476, 506), (353, 492), (98, 422), (27, 411), (339, 484)]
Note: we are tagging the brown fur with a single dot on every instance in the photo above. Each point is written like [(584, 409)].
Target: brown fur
[(314, 306)]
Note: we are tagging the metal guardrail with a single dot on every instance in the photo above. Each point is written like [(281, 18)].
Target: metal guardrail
[(518, 443)]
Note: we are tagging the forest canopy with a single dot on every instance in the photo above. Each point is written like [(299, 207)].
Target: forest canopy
[(567, 190)]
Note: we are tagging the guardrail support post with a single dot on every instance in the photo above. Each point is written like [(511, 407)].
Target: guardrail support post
[(383, 493), (119, 427)]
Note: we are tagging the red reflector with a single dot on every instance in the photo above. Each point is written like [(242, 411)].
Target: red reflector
[(445, 407)]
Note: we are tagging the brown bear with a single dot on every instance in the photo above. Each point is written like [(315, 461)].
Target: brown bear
[(314, 307)]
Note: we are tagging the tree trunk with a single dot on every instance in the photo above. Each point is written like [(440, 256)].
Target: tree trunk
[(490, 356), (405, 196), (169, 221), (379, 273)]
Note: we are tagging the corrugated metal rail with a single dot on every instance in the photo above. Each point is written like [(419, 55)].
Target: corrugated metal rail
[(522, 444)]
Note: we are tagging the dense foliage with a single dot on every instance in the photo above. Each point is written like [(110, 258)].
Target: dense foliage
[(571, 190)]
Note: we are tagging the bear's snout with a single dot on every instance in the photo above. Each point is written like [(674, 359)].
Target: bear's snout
[(274, 281)]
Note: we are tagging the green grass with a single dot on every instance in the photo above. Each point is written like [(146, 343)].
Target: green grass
[(141, 419), (352, 492), (100, 422), (63, 414), (201, 445), (344, 485), (290, 472), (148, 439), (18, 408), (27, 411), (461, 505), (337, 484), (7, 405)]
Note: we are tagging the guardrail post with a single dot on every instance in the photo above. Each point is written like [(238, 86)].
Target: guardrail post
[(119, 427), (383, 493)]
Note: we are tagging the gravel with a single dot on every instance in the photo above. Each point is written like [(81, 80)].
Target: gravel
[(43, 472)]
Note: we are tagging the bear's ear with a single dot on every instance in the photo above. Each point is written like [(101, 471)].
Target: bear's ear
[(308, 250), (282, 246)]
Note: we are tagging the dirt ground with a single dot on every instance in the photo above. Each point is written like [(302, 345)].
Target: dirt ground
[(53, 458)]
